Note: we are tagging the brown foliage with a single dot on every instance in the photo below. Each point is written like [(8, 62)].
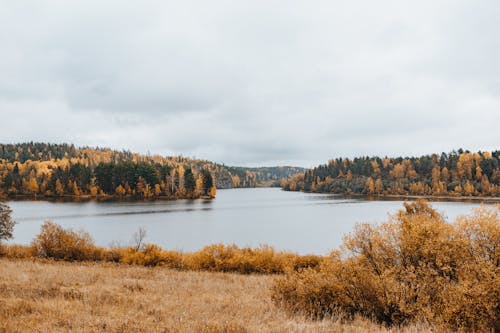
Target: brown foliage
[(414, 267), (64, 244), (55, 242)]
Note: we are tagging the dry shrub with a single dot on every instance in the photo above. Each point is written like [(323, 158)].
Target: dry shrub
[(231, 258), (17, 251), (151, 255), (299, 263), (64, 244), (216, 258), (414, 267)]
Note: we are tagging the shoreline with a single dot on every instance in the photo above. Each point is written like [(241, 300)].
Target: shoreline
[(380, 197), (399, 197), (98, 198)]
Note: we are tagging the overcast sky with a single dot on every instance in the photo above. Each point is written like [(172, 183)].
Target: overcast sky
[(252, 82)]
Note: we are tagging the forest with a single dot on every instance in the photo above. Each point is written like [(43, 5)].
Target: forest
[(36, 169), (459, 173), (63, 170)]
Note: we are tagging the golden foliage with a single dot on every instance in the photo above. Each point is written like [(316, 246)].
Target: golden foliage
[(65, 244), (58, 243), (414, 267)]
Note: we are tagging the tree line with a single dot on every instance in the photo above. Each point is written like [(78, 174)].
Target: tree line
[(38, 169), (106, 171), (459, 173)]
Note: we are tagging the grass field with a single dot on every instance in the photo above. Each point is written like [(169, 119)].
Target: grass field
[(49, 296)]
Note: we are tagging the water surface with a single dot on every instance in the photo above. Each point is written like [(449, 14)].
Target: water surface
[(294, 221)]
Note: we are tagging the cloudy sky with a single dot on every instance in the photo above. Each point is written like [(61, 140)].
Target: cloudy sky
[(252, 82)]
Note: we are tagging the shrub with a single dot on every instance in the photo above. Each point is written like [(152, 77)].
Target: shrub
[(64, 244), (151, 255), (231, 258), (414, 267), (299, 263), (17, 251)]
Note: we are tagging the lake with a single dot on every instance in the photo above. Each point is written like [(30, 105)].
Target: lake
[(293, 221)]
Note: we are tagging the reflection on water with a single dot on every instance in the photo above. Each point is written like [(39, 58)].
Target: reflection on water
[(304, 223)]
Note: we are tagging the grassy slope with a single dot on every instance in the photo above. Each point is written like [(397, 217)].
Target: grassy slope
[(83, 297)]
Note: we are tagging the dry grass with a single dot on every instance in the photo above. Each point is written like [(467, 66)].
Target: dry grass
[(49, 296)]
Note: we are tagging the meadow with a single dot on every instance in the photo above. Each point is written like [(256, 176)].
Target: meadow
[(56, 296)]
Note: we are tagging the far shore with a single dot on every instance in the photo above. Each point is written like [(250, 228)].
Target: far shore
[(379, 197), (425, 197)]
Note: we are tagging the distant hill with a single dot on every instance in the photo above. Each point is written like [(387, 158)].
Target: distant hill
[(459, 173), (64, 170), (262, 176)]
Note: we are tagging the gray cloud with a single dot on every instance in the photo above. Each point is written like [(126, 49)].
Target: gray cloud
[(252, 82)]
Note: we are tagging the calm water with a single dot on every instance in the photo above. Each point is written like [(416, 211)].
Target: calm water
[(298, 222)]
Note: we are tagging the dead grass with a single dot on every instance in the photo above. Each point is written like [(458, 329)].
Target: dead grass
[(48, 296)]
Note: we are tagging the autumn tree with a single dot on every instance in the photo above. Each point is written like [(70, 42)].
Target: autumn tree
[(59, 187), (199, 185), (370, 186), (6, 222), (379, 187), (120, 191), (33, 184)]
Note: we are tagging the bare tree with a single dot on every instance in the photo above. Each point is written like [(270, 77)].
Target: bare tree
[(6, 222), (139, 237)]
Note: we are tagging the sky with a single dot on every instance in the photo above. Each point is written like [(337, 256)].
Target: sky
[(252, 83)]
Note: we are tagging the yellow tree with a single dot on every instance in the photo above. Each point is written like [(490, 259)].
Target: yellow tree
[(445, 174), (180, 173), (479, 173), (199, 184), (464, 165), (379, 186), (120, 190), (370, 186), (76, 190), (375, 167), (213, 192), (386, 162), (157, 190), (33, 185), (59, 187), (485, 185), (236, 181), (147, 191), (469, 188), (93, 190), (398, 171), (436, 174)]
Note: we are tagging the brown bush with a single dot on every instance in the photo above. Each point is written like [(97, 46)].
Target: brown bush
[(151, 255), (414, 267), (16, 251), (64, 244), (231, 258)]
